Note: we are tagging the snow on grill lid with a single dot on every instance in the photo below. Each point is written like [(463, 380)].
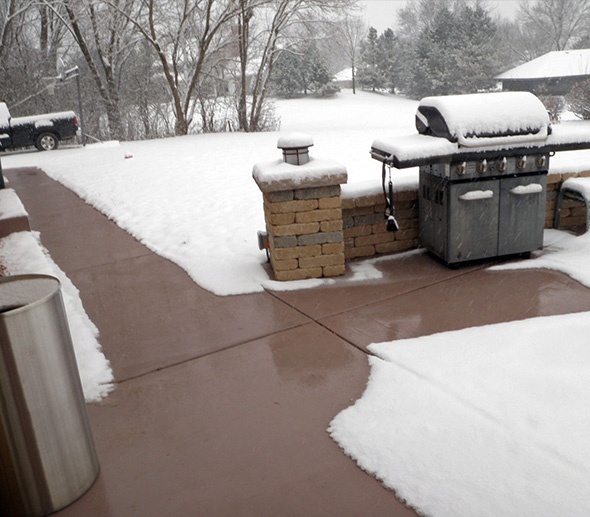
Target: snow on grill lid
[(484, 115)]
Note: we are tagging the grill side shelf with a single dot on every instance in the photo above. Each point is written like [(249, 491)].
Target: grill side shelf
[(472, 155)]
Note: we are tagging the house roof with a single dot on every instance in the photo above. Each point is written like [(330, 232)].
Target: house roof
[(564, 63), (344, 75)]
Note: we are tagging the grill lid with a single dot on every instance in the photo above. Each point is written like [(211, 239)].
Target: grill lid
[(484, 119)]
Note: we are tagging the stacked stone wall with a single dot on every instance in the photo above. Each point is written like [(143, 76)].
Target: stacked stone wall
[(365, 227), (573, 213), (305, 232)]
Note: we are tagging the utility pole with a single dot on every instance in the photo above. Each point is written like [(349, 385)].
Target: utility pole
[(66, 76)]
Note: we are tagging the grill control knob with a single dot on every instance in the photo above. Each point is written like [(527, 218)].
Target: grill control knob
[(541, 162), (521, 162), (482, 166), (461, 168), (502, 164)]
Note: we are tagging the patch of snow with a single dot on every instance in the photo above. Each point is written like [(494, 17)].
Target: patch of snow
[(569, 131), (43, 123), (406, 179), (581, 185), (344, 75), (316, 171), (22, 253), (418, 147), (361, 271), (532, 188), (476, 195), (11, 205), (564, 63), (415, 146), (44, 119), (4, 115), (561, 252), (570, 161), (483, 421), (294, 140), (490, 113)]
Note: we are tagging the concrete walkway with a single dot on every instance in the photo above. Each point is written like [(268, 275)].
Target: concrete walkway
[(222, 403)]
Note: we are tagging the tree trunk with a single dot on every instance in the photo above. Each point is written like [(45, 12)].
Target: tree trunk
[(111, 105), (243, 35)]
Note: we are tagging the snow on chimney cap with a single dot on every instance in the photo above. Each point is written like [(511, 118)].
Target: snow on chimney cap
[(295, 141)]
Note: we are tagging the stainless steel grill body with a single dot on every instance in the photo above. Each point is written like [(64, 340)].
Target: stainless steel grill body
[(483, 162), (482, 209)]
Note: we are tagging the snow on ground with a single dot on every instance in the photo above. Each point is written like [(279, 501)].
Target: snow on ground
[(484, 421), (22, 253), (561, 251), (193, 200)]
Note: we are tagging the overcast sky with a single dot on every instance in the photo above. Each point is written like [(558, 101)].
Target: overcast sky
[(381, 14)]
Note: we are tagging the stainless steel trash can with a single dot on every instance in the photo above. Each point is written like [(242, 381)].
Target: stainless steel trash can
[(47, 455)]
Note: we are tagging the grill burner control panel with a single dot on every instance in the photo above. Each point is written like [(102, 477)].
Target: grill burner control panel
[(494, 167)]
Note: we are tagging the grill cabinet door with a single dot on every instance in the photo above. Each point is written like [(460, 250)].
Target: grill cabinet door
[(473, 220), (522, 214), (433, 214)]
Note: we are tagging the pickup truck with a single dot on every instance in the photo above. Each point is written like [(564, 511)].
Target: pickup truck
[(43, 131)]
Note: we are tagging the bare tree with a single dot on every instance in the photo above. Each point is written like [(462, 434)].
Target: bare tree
[(265, 29), (52, 32), (32, 36), (350, 33), (188, 37), (103, 36), (10, 12), (559, 23)]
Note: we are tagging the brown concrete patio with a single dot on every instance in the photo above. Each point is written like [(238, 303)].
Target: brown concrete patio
[(221, 403)]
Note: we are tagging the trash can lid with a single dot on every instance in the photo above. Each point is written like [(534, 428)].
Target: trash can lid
[(20, 291)]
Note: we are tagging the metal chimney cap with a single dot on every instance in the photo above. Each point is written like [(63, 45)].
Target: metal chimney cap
[(295, 141)]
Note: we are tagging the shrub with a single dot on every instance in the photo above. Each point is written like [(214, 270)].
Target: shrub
[(578, 100)]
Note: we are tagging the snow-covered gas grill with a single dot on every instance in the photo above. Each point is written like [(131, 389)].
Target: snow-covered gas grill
[(483, 172)]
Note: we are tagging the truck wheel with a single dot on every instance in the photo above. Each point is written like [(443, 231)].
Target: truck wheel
[(47, 142)]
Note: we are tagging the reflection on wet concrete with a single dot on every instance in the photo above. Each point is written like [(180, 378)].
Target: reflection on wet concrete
[(478, 298), (309, 359)]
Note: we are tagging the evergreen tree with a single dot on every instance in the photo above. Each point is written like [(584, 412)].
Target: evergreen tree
[(457, 52), (369, 74), (480, 62), (315, 72), (286, 78), (388, 59), (301, 70)]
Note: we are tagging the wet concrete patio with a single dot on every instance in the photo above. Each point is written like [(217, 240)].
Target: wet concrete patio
[(221, 403)]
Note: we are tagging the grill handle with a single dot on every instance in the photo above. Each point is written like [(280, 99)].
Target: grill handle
[(476, 195), (510, 140), (522, 190)]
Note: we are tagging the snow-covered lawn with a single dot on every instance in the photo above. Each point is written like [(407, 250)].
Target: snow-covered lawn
[(193, 200), (486, 421)]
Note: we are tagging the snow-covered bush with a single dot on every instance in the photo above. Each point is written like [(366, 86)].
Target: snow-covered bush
[(578, 100), (554, 105)]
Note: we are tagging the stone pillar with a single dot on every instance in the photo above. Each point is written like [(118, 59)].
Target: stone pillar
[(303, 212)]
